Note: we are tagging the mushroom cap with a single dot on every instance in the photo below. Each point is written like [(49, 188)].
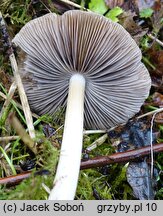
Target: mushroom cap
[(56, 47)]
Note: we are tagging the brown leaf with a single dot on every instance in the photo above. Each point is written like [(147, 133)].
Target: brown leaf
[(157, 81), (62, 6), (112, 3), (157, 5), (125, 5), (159, 118), (5, 79), (127, 21), (157, 57), (157, 16), (142, 4), (158, 99)]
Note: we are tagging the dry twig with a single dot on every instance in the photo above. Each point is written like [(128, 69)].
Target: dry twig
[(17, 104), (15, 179), (122, 157), (9, 97), (74, 4), (19, 83), (96, 143), (155, 39), (8, 138)]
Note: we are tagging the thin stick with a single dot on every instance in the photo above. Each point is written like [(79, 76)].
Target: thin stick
[(155, 39), (87, 132), (45, 6), (3, 95), (8, 138), (8, 160), (46, 188), (9, 96), (122, 157), (74, 4), (23, 96), (97, 143), (59, 128), (17, 104), (19, 83), (151, 138), (149, 63), (6, 106), (151, 129), (150, 113), (22, 133), (15, 179)]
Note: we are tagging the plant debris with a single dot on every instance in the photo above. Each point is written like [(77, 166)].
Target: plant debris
[(108, 170), (138, 176)]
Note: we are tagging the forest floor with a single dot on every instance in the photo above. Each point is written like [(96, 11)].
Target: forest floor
[(131, 154)]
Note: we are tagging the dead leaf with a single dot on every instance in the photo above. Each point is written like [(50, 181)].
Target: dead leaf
[(159, 118), (157, 80), (112, 3), (131, 5), (158, 99), (125, 5), (138, 176), (156, 58), (48, 130), (157, 16), (142, 4), (127, 21), (5, 79), (27, 164), (157, 5), (159, 58), (61, 7), (134, 134)]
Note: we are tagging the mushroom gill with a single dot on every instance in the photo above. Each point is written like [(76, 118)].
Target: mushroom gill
[(85, 56), (102, 51)]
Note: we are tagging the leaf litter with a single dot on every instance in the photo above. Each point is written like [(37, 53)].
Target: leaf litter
[(139, 18)]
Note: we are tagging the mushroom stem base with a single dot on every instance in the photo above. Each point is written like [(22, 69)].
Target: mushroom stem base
[(66, 178)]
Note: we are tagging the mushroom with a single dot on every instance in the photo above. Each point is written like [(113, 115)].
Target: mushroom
[(88, 64)]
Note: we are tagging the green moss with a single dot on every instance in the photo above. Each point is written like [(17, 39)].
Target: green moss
[(17, 11), (110, 186), (32, 188)]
